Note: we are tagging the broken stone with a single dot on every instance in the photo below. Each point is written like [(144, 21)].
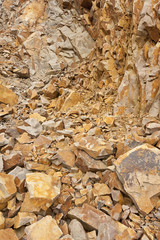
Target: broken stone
[(72, 100), (66, 157), (138, 170), (87, 163), (51, 91), (8, 234), (7, 96), (46, 228), (42, 141), (77, 231), (107, 231), (95, 147), (43, 186), (12, 160), (34, 128), (101, 189), (116, 212), (89, 216), (8, 188), (38, 117), (49, 125), (3, 140), (24, 218)]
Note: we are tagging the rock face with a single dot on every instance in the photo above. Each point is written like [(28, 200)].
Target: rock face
[(139, 170)]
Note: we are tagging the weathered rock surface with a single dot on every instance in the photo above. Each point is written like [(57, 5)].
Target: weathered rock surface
[(8, 234), (77, 231), (7, 187), (87, 163), (46, 228), (43, 186), (7, 96), (138, 170), (95, 147), (85, 75)]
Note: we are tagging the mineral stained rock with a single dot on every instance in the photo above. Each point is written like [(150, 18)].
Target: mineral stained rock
[(139, 171)]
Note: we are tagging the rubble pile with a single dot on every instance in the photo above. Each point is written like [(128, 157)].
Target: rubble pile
[(80, 127)]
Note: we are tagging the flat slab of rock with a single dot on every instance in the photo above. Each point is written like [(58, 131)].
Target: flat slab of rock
[(46, 228), (95, 147), (139, 171), (43, 186), (7, 187), (87, 163), (89, 216), (33, 128)]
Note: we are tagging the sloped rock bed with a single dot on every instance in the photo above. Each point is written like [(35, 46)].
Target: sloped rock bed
[(70, 167)]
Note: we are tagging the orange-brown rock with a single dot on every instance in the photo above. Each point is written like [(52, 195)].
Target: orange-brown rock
[(66, 157), (87, 163), (138, 170), (7, 96), (7, 187), (46, 228), (24, 218), (12, 160), (8, 234), (73, 99), (43, 186), (95, 147)]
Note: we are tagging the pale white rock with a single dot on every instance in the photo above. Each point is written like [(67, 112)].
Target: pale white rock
[(77, 231)]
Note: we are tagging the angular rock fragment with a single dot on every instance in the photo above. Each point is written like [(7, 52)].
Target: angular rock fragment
[(71, 100), (7, 187), (12, 160), (7, 96), (87, 163), (49, 125), (3, 140), (2, 220), (66, 157), (42, 141), (24, 218), (101, 189), (107, 231), (46, 228), (43, 186), (139, 170), (89, 216), (77, 231), (95, 147), (8, 234), (34, 128)]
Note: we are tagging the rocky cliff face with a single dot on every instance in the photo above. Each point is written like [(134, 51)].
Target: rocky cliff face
[(127, 51)]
